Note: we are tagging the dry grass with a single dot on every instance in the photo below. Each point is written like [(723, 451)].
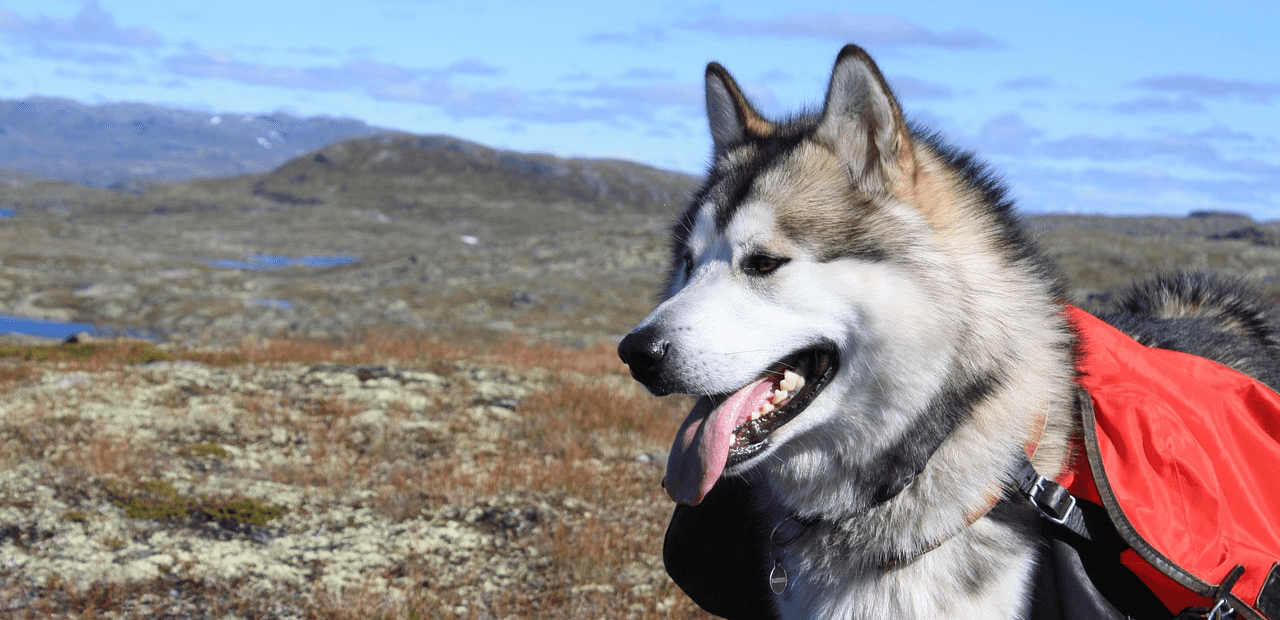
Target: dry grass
[(565, 480), (109, 456), (370, 347), (195, 599), (13, 375), (577, 420), (40, 432)]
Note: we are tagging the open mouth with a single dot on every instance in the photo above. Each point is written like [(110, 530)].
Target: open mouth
[(729, 429), (796, 381)]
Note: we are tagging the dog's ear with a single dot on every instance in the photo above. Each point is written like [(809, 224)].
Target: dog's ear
[(863, 123), (731, 115)]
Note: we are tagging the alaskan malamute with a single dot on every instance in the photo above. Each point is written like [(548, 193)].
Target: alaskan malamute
[(872, 339)]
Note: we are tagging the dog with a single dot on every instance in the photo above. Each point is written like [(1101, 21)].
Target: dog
[(873, 339)]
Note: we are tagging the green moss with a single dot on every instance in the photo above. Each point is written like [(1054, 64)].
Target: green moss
[(209, 449), (145, 353), (159, 500), (74, 516), (78, 350), (47, 352), (156, 500), (127, 352), (14, 374), (252, 511)]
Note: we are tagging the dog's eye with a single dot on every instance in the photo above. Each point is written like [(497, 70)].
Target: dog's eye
[(686, 265), (762, 264)]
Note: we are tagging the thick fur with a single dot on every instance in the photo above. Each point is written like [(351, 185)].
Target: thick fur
[(1203, 314), (847, 227)]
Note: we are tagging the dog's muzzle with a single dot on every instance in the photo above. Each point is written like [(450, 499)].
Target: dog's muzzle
[(644, 351)]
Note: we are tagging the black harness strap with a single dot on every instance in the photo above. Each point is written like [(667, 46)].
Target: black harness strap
[(1085, 520), (1080, 576)]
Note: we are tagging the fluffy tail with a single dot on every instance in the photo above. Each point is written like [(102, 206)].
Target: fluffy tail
[(1214, 316)]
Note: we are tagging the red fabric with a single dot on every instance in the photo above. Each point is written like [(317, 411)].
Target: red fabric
[(1078, 478), (1191, 449)]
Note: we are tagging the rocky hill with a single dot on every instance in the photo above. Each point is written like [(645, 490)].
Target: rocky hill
[(445, 176), (387, 231)]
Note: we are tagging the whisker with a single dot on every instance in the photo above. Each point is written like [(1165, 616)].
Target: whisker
[(874, 375)]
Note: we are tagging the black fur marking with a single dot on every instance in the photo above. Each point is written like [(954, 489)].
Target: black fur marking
[(733, 188), (729, 187), (907, 457)]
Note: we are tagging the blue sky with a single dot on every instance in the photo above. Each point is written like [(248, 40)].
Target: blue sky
[(1097, 107)]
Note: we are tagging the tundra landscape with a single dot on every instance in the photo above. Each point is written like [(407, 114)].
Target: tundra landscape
[(379, 381)]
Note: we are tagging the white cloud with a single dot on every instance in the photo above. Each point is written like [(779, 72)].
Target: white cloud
[(870, 29), (1156, 104), (1030, 82), (908, 88), (1210, 86), (588, 100), (91, 24), (641, 36), (1007, 133)]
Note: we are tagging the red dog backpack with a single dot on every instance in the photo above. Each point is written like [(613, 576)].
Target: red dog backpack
[(1184, 455)]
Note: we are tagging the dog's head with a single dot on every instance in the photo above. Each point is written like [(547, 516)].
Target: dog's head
[(803, 305)]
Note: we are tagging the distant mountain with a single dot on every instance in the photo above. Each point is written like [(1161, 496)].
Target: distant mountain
[(461, 186), (126, 145)]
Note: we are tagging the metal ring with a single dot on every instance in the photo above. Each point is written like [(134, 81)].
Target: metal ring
[(773, 536)]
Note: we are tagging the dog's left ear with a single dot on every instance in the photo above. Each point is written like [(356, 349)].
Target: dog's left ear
[(863, 123), (733, 119)]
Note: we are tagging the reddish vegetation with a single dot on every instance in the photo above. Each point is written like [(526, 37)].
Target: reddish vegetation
[(581, 451)]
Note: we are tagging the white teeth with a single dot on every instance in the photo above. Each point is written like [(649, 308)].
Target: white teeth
[(790, 381)]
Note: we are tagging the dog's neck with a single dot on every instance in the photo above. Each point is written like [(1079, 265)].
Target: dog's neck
[(870, 563), (791, 527)]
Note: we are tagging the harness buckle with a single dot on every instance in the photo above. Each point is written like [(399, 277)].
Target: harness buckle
[(1052, 500), (1221, 611)]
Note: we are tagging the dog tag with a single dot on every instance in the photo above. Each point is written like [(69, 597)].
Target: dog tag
[(778, 578)]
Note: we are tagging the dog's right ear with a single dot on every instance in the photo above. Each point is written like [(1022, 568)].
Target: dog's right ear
[(732, 117)]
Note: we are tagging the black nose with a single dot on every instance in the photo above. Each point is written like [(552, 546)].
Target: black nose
[(644, 351)]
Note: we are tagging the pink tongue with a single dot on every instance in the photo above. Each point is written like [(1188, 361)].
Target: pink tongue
[(702, 444)]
